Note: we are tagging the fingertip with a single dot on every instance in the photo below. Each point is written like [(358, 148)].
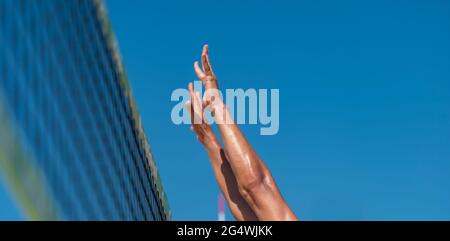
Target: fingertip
[(197, 66), (205, 49)]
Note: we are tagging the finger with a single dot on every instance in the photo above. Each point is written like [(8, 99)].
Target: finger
[(191, 89), (199, 71), (197, 108), (193, 103), (200, 108), (192, 94), (205, 49), (197, 103), (190, 109), (206, 64)]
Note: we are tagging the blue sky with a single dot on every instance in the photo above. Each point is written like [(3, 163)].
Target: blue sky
[(364, 101)]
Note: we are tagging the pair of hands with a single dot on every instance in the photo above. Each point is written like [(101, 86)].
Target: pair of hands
[(198, 104)]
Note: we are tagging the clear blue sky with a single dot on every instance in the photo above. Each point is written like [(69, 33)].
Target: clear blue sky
[(364, 99)]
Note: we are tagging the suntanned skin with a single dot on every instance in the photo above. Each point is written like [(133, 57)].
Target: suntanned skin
[(244, 179), (221, 167)]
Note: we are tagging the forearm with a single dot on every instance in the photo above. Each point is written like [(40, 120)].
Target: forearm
[(228, 185), (254, 180), (247, 166)]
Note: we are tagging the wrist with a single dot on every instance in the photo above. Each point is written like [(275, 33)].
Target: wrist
[(221, 114)]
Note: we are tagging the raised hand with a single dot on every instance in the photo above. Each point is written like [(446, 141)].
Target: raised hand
[(212, 96), (200, 126), (206, 74)]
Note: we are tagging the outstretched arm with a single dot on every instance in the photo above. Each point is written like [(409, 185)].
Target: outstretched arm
[(222, 170), (254, 180)]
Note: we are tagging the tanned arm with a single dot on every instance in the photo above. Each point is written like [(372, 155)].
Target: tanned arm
[(255, 183), (222, 170)]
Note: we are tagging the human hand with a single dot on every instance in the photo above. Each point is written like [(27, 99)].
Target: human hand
[(212, 94), (199, 123), (206, 73)]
